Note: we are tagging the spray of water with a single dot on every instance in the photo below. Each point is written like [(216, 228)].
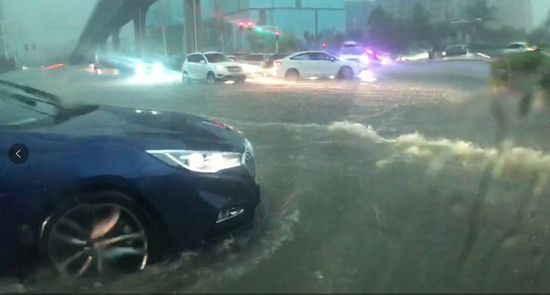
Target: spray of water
[(511, 162)]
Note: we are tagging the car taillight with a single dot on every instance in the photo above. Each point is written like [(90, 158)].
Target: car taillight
[(278, 63)]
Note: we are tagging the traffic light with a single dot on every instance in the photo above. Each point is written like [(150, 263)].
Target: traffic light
[(324, 45), (250, 26), (277, 33), (259, 29), (241, 26)]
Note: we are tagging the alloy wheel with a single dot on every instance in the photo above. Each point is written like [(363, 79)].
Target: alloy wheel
[(98, 240)]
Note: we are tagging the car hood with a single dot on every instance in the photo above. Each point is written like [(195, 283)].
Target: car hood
[(146, 129), (227, 64)]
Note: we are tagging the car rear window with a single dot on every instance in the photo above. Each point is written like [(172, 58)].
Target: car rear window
[(254, 58)]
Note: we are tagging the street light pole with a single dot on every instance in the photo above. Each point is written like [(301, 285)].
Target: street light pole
[(164, 42), (195, 24), (275, 29), (234, 37), (4, 39)]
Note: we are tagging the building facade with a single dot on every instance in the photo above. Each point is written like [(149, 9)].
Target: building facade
[(439, 10)]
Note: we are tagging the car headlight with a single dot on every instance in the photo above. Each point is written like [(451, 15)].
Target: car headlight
[(220, 68), (199, 161), (141, 68), (158, 68)]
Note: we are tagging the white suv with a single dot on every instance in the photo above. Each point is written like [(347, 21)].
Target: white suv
[(212, 67)]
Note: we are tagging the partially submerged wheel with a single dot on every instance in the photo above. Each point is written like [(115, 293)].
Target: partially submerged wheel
[(185, 78), (211, 78), (98, 239), (292, 75), (346, 73)]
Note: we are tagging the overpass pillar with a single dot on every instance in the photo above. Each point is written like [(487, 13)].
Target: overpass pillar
[(140, 31), (192, 18), (115, 39), (103, 45)]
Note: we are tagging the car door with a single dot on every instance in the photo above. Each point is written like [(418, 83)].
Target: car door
[(325, 65), (302, 63), (202, 66), (191, 65)]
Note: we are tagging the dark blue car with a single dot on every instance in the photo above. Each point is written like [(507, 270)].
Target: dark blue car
[(93, 188)]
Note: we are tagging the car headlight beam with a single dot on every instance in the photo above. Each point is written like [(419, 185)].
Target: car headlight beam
[(141, 69), (158, 69), (199, 161)]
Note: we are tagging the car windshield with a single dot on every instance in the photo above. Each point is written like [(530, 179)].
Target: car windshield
[(216, 57), (17, 112), (274, 146), (254, 58)]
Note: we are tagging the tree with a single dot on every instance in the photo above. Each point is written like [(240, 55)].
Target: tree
[(309, 39), (420, 23), (384, 32), (378, 17), (481, 13), (288, 42)]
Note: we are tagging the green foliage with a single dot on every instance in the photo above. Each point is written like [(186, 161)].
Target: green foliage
[(288, 42), (521, 63), (520, 70)]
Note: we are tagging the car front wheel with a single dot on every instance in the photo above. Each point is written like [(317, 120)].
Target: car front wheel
[(185, 78), (292, 75), (346, 73), (211, 78), (99, 235)]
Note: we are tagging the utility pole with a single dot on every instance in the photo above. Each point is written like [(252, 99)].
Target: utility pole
[(235, 37), (316, 24), (4, 39), (164, 42), (195, 24), (272, 14)]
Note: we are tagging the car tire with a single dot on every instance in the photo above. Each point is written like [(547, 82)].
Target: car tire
[(121, 227), (346, 73), (211, 78), (292, 74)]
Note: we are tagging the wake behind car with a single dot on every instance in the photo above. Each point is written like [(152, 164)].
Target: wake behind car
[(317, 64), (212, 67), (90, 189)]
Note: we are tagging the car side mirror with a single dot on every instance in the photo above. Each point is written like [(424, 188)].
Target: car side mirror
[(202, 62)]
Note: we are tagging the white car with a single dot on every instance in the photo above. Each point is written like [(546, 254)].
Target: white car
[(518, 47), (254, 64), (316, 64), (212, 67)]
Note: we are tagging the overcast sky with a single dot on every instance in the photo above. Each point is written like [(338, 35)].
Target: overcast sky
[(540, 10)]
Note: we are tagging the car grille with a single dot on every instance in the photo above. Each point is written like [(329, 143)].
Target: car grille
[(234, 69), (248, 161)]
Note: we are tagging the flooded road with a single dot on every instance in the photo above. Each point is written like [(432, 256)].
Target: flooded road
[(356, 209)]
